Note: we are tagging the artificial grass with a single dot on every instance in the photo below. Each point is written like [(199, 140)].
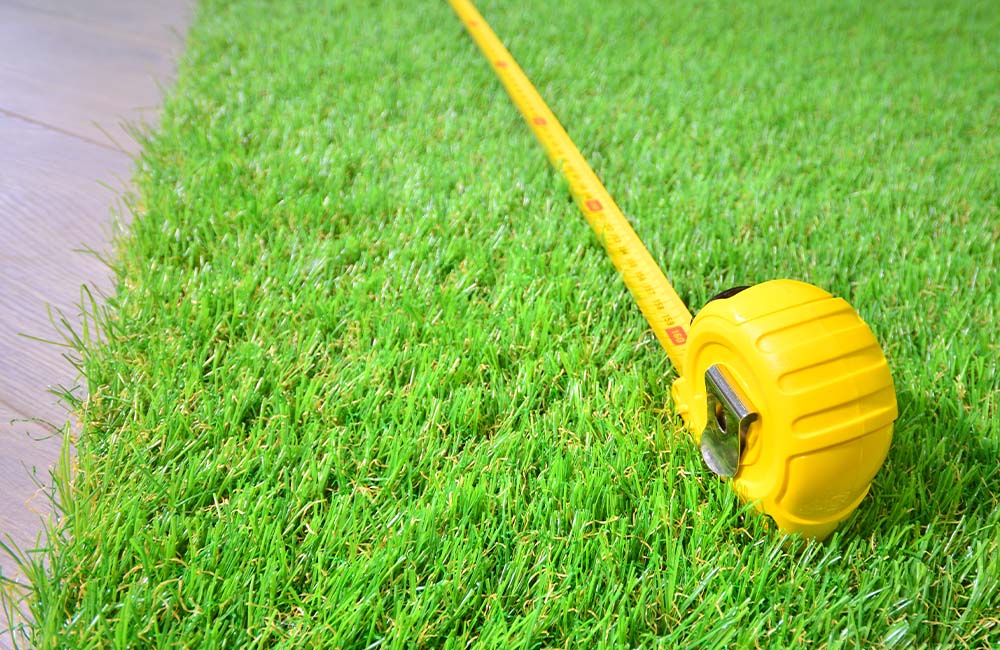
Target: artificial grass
[(367, 380)]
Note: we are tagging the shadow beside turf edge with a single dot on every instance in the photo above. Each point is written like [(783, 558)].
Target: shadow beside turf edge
[(940, 470)]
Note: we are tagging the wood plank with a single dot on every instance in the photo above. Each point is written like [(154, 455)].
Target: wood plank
[(160, 22), (52, 202), (69, 69), (84, 77)]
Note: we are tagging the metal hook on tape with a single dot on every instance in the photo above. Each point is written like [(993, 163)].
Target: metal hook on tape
[(729, 418)]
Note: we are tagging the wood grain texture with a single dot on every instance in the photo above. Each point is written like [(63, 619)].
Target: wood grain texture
[(84, 68), (71, 74)]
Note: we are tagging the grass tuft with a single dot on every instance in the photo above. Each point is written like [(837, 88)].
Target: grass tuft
[(367, 380)]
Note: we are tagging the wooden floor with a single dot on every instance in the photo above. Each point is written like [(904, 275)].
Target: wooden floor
[(71, 73)]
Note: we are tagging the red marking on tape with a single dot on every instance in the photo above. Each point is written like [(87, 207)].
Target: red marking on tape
[(473, 23), (540, 121), (501, 63), (594, 205), (677, 335)]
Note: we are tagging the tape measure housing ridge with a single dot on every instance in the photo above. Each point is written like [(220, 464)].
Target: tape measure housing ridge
[(821, 385)]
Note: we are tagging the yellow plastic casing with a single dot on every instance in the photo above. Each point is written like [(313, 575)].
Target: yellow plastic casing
[(819, 382)]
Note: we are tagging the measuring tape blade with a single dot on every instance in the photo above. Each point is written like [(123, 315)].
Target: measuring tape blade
[(662, 307)]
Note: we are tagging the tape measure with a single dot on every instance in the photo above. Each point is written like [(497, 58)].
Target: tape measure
[(783, 386)]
